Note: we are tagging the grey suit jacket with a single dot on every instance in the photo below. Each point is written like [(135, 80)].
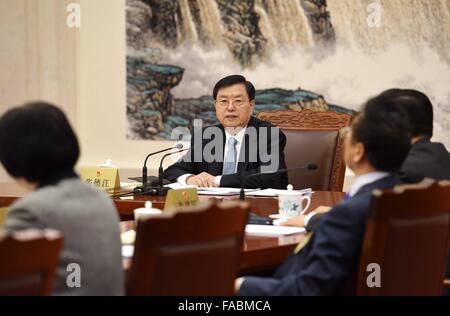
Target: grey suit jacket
[(90, 225)]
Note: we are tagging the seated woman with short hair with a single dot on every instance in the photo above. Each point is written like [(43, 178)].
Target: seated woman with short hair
[(39, 149)]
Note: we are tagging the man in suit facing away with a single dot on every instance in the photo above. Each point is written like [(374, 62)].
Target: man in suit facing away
[(226, 154), (374, 148), (425, 159)]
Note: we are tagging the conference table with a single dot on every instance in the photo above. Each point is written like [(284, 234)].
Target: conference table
[(259, 254)]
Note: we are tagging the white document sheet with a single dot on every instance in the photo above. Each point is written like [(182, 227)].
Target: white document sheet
[(222, 191), (272, 231), (127, 251), (129, 185), (211, 190), (275, 192)]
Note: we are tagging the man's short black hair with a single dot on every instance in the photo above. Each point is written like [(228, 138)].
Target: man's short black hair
[(234, 79), (37, 142), (383, 128), (418, 107)]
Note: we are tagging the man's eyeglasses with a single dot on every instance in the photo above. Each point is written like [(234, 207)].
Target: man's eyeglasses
[(236, 102)]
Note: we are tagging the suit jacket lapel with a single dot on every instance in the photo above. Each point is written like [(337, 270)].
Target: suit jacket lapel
[(216, 167)]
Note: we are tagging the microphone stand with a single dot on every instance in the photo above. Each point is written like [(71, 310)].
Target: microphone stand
[(163, 190), (144, 168), (158, 190)]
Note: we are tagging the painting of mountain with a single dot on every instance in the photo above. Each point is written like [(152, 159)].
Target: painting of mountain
[(324, 55)]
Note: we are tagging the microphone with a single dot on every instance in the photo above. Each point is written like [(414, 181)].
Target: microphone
[(160, 169), (158, 189), (308, 167), (144, 169)]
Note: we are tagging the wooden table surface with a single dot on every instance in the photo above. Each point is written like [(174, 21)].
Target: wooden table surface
[(259, 253)]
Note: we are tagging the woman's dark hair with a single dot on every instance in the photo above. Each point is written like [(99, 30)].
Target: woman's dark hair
[(37, 142), (383, 128), (234, 79), (418, 107)]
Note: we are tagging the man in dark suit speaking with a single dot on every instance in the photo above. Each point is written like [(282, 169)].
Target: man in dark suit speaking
[(226, 154)]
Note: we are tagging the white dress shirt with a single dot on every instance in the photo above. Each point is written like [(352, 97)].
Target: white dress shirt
[(239, 136), (360, 181)]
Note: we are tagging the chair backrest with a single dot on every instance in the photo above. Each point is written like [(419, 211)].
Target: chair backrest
[(29, 259), (195, 251), (312, 137), (407, 235)]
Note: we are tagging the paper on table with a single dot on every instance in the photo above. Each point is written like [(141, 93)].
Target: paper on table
[(131, 197), (174, 185), (128, 237), (222, 191), (129, 185), (276, 192), (127, 251), (271, 230), (206, 190)]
